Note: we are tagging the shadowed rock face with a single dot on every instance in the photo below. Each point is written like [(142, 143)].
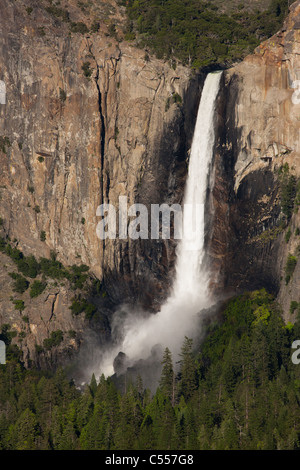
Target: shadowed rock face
[(258, 128), (240, 258)]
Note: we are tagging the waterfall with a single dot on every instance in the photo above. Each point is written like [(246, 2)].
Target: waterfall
[(190, 293), (191, 276)]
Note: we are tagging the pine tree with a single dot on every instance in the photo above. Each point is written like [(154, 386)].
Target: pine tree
[(187, 369), (69, 438), (93, 385), (167, 380), (85, 408), (129, 423), (23, 434)]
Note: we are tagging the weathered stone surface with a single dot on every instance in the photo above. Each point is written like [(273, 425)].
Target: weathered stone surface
[(86, 120), (79, 141), (258, 132), (42, 315)]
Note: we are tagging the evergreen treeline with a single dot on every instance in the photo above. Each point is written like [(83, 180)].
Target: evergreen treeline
[(196, 33), (239, 391)]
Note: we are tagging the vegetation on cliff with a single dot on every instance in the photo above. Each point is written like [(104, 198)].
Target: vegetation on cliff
[(197, 33), (78, 277), (239, 391)]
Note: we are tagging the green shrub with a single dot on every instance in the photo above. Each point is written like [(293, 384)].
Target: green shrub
[(7, 334), (55, 339), (288, 235), (129, 36), (293, 306), (62, 95), (290, 267), (19, 305), (37, 288), (220, 50), (77, 306), (81, 305), (77, 275), (28, 266), (52, 268), (39, 349), (21, 284), (86, 69), (43, 236), (4, 144), (262, 315), (58, 13), (288, 190), (95, 27), (175, 98), (41, 159), (79, 28), (13, 252), (90, 310)]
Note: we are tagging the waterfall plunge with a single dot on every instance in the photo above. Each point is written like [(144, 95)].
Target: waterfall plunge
[(190, 294)]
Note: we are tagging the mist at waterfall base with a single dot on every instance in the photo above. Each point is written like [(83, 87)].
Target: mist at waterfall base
[(139, 337)]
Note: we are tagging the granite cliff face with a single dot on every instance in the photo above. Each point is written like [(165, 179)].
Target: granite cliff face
[(79, 137), (87, 119), (258, 128)]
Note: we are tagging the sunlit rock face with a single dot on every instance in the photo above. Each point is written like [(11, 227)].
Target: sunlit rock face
[(85, 119), (258, 122), (88, 119)]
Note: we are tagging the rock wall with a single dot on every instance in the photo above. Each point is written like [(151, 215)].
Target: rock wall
[(86, 119), (258, 129)]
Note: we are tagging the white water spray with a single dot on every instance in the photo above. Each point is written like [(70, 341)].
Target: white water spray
[(190, 293)]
